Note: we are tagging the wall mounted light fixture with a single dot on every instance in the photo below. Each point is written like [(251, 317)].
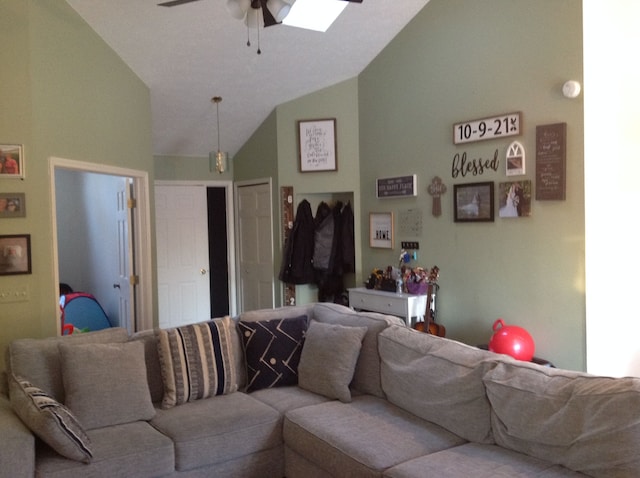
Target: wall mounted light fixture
[(571, 89), (217, 159)]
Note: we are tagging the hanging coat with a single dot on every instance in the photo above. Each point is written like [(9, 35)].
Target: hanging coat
[(347, 240), (297, 259)]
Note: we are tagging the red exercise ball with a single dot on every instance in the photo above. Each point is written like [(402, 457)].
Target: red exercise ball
[(512, 340)]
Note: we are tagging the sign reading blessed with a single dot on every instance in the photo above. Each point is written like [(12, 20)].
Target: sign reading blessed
[(551, 161), (400, 186), (487, 128), (317, 145)]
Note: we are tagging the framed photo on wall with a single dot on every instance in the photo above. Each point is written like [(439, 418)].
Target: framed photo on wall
[(15, 254), (381, 230), (473, 202), (12, 205), (317, 145), (11, 161)]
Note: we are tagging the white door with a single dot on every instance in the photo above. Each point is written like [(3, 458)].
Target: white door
[(126, 299), (182, 255), (255, 247)]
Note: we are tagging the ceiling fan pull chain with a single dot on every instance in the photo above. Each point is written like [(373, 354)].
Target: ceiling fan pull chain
[(248, 40), (258, 28)]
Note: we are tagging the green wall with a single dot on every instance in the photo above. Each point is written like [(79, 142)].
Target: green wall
[(460, 60), (65, 94)]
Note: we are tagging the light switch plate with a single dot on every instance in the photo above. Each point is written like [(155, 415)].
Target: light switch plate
[(14, 294)]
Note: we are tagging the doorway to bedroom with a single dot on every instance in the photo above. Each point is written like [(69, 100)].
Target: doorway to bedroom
[(102, 239)]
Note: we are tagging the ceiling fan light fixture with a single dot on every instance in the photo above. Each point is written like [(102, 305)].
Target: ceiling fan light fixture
[(279, 9), (238, 8)]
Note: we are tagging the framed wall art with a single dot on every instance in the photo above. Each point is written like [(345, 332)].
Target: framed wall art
[(317, 145), (381, 230), (514, 198), (473, 202), (12, 205), (11, 161), (15, 254)]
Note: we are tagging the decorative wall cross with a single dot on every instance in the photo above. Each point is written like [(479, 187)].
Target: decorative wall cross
[(436, 189)]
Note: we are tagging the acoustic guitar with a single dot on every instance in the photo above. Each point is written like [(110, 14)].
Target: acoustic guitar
[(429, 325)]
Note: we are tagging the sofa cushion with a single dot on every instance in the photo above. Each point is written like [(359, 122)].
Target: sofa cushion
[(38, 360), (362, 438), (284, 399), (479, 461), (152, 361), (272, 351), (432, 377), (106, 384), (587, 423), (51, 421), (329, 359), (197, 361), (130, 449), (219, 429), (366, 378)]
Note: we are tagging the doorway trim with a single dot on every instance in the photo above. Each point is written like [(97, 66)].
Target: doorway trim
[(141, 219), (231, 243)]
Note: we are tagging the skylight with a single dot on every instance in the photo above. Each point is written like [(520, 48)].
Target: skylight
[(314, 14)]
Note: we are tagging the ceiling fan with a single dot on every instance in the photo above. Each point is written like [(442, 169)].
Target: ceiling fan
[(273, 11)]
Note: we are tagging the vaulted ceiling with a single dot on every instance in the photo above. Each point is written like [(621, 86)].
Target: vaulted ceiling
[(189, 53)]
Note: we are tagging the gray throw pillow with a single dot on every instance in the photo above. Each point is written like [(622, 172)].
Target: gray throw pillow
[(328, 359), (106, 384), (49, 420)]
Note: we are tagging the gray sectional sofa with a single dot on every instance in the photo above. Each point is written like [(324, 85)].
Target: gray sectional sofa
[(373, 399)]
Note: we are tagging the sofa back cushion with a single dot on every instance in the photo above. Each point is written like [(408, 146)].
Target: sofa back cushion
[(38, 360), (583, 422), (437, 379), (106, 384), (366, 378), (152, 361)]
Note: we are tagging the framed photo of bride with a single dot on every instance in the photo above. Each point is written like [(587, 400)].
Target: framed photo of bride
[(514, 199), (473, 202)]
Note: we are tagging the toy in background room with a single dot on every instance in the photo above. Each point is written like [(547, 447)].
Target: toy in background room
[(512, 340)]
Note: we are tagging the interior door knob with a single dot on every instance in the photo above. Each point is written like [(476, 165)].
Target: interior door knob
[(116, 286), (203, 271)]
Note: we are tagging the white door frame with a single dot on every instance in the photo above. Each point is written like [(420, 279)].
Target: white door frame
[(255, 182), (231, 242), (141, 221)]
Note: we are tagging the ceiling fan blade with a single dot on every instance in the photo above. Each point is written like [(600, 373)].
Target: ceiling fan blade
[(269, 19), (353, 1), (174, 3)]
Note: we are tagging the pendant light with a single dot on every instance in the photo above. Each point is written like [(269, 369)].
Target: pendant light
[(217, 159)]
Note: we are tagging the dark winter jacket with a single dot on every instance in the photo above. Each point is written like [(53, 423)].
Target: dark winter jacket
[(297, 259)]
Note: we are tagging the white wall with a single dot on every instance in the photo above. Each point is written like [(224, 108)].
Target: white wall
[(612, 185)]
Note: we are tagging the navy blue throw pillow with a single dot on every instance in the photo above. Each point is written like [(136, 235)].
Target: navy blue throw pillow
[(272, 351)]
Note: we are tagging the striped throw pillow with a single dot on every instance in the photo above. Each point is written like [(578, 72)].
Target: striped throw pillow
[(196, 361), (51, 421)]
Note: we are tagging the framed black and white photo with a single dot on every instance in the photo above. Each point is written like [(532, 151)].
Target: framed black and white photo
[(15, 254), (381, 230), (317, 145), (473, 202), (11, 161)]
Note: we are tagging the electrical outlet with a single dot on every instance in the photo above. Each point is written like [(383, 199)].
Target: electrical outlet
[(415, 245), (14, 294)]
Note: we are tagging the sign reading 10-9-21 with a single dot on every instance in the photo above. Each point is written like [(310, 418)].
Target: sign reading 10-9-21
[(494, 127)]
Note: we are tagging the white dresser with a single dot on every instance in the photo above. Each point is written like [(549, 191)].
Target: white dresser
[(409, 307)]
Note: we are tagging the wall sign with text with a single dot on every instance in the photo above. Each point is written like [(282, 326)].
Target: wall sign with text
[(494, 127), (401, 186)]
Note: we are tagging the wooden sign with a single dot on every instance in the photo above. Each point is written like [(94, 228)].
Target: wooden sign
[(401, 186), (551, 159), (487, 128)]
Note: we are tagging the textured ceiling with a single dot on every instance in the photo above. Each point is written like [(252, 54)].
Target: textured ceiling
[(187, 54)]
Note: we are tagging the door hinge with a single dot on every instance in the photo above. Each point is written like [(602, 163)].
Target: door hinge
[(131, 203), (134, 280)]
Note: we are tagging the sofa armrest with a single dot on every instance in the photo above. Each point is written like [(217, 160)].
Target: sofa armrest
[(17, 444)]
